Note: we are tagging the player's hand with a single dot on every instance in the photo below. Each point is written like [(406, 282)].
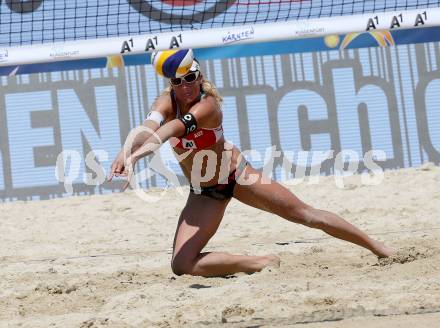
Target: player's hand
[(118, 167), (129, 164)]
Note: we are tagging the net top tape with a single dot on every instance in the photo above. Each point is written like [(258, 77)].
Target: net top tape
[(44, 21)]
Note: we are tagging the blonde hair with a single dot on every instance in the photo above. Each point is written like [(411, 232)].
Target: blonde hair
[(208, 88), (211, 90)]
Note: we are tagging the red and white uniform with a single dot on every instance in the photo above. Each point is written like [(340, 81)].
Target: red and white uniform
[(198, 139)]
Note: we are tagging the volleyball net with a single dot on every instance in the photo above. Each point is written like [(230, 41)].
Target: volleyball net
[(42, 31)]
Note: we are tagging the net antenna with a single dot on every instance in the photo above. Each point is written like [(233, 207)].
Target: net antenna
[(36, 31)]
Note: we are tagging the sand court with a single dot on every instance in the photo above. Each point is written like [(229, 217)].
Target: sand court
[(104, 261)]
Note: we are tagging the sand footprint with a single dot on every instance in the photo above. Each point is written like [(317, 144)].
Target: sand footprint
[(402, 256), (236, 313)]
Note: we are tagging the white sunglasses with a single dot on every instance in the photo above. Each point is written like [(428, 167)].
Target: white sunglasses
[(188, 78)]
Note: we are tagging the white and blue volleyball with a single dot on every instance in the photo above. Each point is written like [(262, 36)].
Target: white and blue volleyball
[(172, 63)]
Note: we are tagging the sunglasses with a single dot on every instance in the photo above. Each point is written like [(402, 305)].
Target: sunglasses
[(188, 78)]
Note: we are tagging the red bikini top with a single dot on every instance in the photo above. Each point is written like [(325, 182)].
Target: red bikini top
[(199, 138)]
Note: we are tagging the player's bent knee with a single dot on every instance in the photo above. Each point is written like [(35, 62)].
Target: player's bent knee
[(181, 266)]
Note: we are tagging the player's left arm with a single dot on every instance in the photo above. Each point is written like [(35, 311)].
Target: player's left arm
[(203, 114), (207, 113)]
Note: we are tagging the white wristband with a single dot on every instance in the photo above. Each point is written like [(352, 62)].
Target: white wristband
[(156, 117)]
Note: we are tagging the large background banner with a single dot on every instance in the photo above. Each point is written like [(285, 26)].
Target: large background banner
[(355, 100)]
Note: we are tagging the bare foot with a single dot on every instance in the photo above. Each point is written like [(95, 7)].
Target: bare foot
[(383, 251), (271, 261)]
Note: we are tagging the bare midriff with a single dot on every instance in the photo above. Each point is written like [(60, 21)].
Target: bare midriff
[(195, 165)]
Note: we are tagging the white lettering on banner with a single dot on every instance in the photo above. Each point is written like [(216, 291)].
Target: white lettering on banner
[(4, 55), (67, 168), (432, 97), (375, 175), (78, 130), (259, 124), (92, 163), (288, 119), (345, 156), (231, 119), (336, 103), (2, 181), (353, 98), (268, 163), (301, 159), (407, 95), (63, 52), (23, 138), (318, 157), (252, 155), (306, 29), (239, 35)]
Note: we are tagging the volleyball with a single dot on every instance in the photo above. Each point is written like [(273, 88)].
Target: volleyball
[(172, 63)]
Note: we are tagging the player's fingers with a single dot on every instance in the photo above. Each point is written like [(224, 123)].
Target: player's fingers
[(119, 166), (112, 172)]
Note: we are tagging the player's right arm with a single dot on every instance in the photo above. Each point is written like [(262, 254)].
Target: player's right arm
[(160, 112)]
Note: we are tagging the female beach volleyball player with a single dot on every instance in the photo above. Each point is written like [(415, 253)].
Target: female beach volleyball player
[(188, 114)]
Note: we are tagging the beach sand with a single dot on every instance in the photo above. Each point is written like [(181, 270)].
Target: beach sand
[(104, 261)]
